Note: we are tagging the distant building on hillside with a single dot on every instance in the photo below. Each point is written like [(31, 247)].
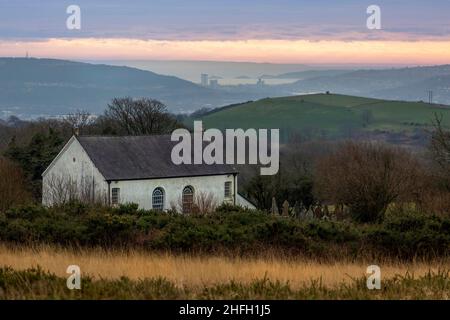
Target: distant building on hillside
[(214, 83), (204, 80), (260, 83)]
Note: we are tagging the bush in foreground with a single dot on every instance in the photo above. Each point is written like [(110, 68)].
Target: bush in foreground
[(405, 235)]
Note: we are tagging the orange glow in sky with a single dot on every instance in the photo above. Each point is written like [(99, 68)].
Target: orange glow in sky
[(276, 51)]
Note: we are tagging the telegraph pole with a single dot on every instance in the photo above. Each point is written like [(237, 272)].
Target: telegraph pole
[(430, 96)]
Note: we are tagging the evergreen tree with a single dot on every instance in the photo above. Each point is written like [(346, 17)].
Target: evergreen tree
[(35, 157)]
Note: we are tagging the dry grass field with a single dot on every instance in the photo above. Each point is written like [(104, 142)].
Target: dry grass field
[(200, 271)]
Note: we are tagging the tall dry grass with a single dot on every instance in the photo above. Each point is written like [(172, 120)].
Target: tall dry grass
[(200, 271)]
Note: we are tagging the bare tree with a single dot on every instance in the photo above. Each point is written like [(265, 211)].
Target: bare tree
[(61, 190), (433, 198), (440, 148), (203, 203), (367, 178), (13, 190), (79, 120), (139, 116)]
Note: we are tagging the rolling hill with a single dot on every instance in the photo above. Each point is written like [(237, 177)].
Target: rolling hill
[(410, 84), (308, 74), (43, 87), (329, 115), (31, 87)]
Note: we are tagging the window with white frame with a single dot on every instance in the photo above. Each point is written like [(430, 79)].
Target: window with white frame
[(158, 199), (228, 192), (115, 196)]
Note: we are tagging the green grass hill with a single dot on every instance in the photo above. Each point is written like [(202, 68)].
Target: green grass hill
[(330, 114)]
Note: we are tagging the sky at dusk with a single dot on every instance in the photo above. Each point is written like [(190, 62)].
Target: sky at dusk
[(283, 31)]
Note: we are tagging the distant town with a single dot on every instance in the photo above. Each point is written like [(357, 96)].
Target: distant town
[(213, 82)]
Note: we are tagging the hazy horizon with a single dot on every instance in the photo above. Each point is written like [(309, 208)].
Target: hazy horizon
[(192, 69), (229, 72)]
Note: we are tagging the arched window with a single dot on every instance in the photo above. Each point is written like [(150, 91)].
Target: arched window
[(158, 199), (188, 199)]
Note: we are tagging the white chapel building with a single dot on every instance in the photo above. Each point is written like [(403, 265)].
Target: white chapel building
[(135, 169)]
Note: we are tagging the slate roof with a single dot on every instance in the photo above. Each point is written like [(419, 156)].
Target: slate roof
[(142, 157)]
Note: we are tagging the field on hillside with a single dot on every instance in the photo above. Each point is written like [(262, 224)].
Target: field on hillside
[(332, 114), (40, 273)]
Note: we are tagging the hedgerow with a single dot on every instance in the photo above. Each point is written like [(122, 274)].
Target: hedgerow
[(405, 235)]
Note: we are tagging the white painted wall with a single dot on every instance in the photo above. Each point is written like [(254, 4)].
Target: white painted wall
[(241, 201), (140, 191), (72, 166)]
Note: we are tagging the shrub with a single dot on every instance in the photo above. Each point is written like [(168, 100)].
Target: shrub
[(126, 208), (232, 230), (366, 178), (27, 212), (412, 234), (229, 208)]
